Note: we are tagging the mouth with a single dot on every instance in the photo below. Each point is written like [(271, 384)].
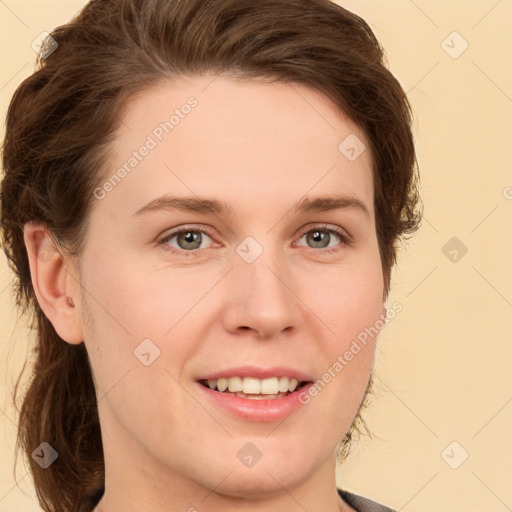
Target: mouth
[(253, 388), (256, 393)]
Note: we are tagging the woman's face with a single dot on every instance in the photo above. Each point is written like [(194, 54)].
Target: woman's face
[(257, 285)]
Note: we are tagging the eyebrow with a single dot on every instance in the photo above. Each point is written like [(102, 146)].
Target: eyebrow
[(221, 208)]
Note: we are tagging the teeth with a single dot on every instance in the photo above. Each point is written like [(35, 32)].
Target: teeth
[(270, 386), (234, 384), (222, 384), (254, 386), (251, 386), (293, 384), (283, 384), (260, 397)]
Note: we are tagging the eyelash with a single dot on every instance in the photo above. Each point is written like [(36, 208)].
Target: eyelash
[(342, 234)]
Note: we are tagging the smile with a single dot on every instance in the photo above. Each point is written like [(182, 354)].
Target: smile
[(253, 388)]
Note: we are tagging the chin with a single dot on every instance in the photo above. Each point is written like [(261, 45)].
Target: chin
[(287, 467), (256, 484)]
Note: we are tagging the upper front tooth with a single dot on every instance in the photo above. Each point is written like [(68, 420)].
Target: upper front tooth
[(270, 386), (252, 386), (235, 384)]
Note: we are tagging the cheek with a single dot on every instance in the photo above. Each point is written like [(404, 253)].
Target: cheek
[(128, 305), (348, 300), (351, 305), (135, 302)]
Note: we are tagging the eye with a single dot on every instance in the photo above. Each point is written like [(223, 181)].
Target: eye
[(321, 236), (188, 241)]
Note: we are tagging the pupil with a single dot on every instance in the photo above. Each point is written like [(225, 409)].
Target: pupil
[(190, 237), (318, 236)]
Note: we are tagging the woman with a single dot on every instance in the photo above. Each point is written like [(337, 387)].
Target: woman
[(202, 203)]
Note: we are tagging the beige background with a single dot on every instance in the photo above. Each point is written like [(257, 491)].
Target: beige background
[(444, 362)]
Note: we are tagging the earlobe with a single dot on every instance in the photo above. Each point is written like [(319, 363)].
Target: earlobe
[(56, 290)]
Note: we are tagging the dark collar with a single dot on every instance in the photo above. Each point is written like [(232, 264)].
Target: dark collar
[(362, 504)]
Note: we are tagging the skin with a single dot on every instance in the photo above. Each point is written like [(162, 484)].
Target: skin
[(260, 147)]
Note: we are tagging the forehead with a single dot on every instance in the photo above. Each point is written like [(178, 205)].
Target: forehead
[(242, 140)]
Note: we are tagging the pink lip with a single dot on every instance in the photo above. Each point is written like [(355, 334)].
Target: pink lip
[(268, 410), (259, 373)]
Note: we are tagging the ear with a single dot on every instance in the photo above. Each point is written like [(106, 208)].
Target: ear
[(55, 282)]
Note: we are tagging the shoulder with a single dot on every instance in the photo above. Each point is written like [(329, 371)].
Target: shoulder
[(362, 504)]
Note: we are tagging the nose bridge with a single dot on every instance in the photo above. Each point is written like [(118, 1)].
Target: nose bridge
[(263, 287), (266, 279)]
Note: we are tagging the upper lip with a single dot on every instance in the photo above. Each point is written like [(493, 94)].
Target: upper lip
[(259, 373)]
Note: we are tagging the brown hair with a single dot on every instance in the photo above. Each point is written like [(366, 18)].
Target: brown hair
[(59, 125)]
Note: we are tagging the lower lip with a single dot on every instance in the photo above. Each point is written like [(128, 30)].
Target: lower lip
[(272, 409)]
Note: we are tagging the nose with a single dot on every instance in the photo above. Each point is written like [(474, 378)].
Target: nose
[(263, 298)]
